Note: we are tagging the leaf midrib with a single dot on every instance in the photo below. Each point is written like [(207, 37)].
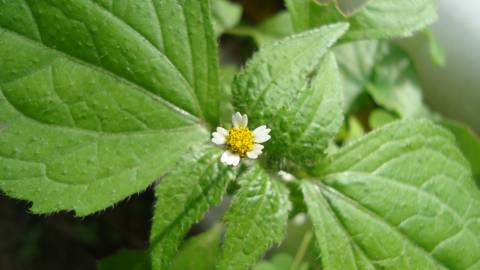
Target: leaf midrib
[(133, 85)]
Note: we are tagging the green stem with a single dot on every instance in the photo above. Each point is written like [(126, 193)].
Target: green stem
[(302, 249)]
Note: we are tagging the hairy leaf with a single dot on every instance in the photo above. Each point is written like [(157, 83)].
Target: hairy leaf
[(402, 197), (97, 102), (278, 81), (373, 19), (303, 129), (256, 219), (183, 198)]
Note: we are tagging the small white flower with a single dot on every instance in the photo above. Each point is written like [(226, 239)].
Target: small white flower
[(240, 141)]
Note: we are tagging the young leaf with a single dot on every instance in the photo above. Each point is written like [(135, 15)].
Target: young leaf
[(303, 129), (183, 198), (256, 219), (374, 19), (279, 79), (206, 244), (401, 197), (96, 102)]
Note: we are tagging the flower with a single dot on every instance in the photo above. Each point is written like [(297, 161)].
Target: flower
[(240, 141)]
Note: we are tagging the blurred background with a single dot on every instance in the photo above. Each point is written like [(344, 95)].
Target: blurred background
[(450, 87)]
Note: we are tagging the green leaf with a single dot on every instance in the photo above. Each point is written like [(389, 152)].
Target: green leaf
[(126, 260), (401, 197), (96, 102), (183, 198), (356, 61), (292, 82), (469, 142), (206, 244), (376, 19), (256, 219), (385, 72), (225, 15), (303, 130)]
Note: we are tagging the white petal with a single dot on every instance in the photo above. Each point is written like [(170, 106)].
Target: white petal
[(244, 120), (237, 119), (218, 138), (234, 160), (230, 158), (260, 134), (255, 152), (257, 147), (222, 131), (251, 155)]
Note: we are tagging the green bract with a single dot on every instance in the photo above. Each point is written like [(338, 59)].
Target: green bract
[(99, 99)]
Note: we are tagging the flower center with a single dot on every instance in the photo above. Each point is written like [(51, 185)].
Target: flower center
[(240, 140)]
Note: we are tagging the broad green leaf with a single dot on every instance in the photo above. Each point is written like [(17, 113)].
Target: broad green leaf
[(335, 247), (96, 102), (126, 260), (292, 88), (183, 198), (176, 50), (225, 15), (401, 197), (375, 19), (199, 252), (469, 142), (257, 218), (302, 130)]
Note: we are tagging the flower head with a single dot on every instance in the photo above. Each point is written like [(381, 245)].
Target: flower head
[(240, 141)]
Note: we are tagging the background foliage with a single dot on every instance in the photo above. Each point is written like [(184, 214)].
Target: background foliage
[(101, 99)]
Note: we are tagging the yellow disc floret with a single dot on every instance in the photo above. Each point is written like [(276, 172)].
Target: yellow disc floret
[(240, 140)]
